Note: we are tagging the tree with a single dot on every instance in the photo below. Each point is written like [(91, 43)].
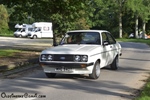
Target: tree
[(145, 14), (140, 9), (106, 16), (66, 14), (111, 15), (121, 4), (3, 18)]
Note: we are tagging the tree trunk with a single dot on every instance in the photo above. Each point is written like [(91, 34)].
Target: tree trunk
[(136, 27), (120, 20), (144, 26)]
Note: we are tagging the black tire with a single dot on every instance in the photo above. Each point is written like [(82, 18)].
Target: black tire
[(96, 71), (114, 65), (34, 36), (20, 36), (50, 75)]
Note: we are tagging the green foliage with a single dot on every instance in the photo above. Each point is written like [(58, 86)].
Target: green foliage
[(64, 14), (145, 94), (6, 32), (140, 8), (79, 14), (3, 18), (69, 15), (106, 16)]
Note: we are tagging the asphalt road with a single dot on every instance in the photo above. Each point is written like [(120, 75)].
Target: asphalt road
[(11, 42), (122, 84)]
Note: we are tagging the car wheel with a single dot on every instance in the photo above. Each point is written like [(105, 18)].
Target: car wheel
[(96, 71), (34, 36), (115, 63), (50, 75)]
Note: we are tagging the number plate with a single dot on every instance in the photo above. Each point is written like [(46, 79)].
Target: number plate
[(63, 69)]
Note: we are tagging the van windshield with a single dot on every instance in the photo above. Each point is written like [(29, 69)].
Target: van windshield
[(81, 38), (20, 30)]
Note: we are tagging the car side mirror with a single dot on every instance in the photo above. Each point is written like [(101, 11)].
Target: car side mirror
[(105, 43)]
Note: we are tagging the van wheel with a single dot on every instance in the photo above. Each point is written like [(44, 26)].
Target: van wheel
[(50, 75), (20, 36), (96, 71), (115, 63), (34, 36)]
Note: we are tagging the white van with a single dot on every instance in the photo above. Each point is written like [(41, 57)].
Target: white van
[(41, 30), (22, 30)]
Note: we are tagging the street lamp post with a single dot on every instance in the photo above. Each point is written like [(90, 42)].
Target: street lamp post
[(29, 17)]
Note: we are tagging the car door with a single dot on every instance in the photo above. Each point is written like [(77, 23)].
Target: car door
[(106, 49), (111, 47)]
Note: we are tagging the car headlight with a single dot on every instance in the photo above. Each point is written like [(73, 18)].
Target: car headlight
[(81, 58), (77, 58), (45, 57), (50, 57), (84, 58)]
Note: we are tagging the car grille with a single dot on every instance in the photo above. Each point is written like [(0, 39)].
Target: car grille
[(63, 57)]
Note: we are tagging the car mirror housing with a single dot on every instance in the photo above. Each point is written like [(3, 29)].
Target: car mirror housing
[(105, 43)]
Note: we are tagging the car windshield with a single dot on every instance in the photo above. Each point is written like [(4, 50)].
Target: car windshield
[(81, 38)]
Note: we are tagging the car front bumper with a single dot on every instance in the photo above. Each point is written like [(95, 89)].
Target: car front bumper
[(67, 68)]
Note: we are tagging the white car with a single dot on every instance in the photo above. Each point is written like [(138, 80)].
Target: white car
[(81, 52)]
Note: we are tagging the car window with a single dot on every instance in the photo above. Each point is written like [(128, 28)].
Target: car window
[(104, 37), (81, 38), (111, 39), (108, 37)]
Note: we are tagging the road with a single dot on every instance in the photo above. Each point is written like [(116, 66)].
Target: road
[(122, 84), (11, 42)]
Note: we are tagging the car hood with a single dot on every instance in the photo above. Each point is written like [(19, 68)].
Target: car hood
[(71, 49)]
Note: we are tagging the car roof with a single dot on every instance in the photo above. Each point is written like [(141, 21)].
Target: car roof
[(88, 31)]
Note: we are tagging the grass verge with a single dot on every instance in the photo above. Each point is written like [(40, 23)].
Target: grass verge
[(8, 52), (7, 35), (15, 58), (145, 93), (147, 41)]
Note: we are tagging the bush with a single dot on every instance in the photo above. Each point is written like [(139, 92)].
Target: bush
[(6, 32), (125, 35)]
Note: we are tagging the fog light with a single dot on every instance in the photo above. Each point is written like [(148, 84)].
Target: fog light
[(83, 65)]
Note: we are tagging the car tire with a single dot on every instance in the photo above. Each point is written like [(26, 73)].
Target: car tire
[(114, 65), (96, 71), (50, 75), (34, 36)]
